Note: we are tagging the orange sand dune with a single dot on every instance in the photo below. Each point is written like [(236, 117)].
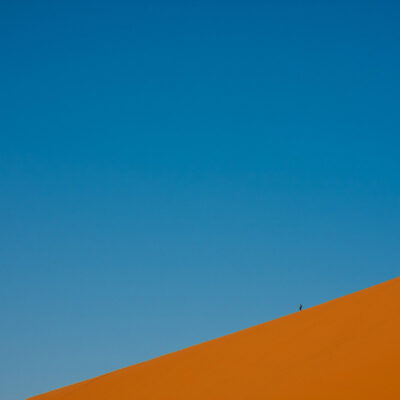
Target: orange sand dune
[(348, 348)]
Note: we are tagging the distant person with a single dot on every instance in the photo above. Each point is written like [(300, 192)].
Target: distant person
[(300, 307)]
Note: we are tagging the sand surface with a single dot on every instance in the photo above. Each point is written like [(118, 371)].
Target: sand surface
[(348, 348)]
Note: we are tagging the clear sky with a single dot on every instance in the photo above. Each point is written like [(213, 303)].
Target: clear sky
[(173, 171)]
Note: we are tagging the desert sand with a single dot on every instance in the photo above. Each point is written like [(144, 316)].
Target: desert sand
[(347, 348)]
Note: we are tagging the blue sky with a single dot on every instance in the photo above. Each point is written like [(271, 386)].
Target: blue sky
[(171, 172)]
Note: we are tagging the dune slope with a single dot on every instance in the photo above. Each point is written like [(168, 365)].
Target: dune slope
[(348, 348)]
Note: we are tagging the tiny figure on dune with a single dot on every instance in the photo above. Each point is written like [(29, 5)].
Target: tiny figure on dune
[(300, 307)]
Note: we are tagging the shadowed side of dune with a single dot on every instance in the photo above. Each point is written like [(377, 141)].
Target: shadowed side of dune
[(348, 348)]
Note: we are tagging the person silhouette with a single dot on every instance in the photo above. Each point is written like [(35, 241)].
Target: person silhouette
[(300, 307)]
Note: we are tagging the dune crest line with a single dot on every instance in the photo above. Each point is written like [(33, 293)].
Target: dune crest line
[(347, 348)]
